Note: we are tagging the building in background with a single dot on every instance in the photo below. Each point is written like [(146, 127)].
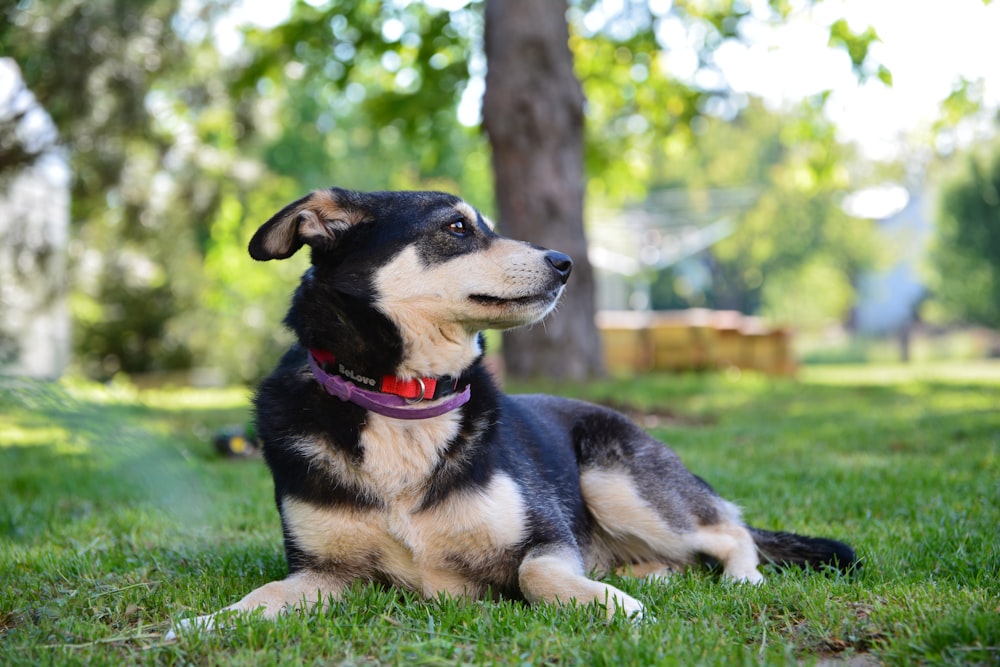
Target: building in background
[(888, 299), (670, 229), (34, 235)]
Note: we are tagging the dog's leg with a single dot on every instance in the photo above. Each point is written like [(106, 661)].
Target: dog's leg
[(630, 519), (301, 590), (732, 545), (555, 574)]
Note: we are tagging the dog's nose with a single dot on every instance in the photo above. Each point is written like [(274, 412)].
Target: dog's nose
[(561, 263)]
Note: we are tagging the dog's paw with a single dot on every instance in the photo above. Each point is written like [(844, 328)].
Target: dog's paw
[(627, 606), (186, 625), (749, 577)]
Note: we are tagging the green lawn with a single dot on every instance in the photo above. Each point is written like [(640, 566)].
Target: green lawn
[(117, 516)]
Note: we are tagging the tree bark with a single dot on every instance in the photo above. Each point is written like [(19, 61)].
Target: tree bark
[(533, 115)]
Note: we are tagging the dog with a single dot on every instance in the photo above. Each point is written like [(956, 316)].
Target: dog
[(397, 459)]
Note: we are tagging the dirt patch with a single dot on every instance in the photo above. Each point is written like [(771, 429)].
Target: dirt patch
[(9, 620)]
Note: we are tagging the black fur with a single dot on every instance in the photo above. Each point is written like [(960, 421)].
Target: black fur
[(791, 550)]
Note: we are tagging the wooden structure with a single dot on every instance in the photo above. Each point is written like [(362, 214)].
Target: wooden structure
[(693, 340)]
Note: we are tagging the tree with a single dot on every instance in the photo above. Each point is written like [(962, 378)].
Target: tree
[(794, 252), (966, 257), (91, 66), (178, 152), (533, 114), (364, 95), (639, 118)]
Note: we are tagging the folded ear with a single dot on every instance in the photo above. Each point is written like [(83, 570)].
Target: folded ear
[(317, 220)]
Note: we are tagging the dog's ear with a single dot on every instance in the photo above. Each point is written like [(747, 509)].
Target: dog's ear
[(317, 220)]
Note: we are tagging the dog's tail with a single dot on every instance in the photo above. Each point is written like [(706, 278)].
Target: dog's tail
[(789, 549)]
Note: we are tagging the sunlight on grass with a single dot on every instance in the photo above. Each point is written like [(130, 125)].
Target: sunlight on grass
[(116, 516), (198, 399), (980, 371), (121, 391), (16, 435)]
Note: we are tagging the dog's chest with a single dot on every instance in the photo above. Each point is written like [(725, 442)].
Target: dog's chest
[(429, 549), (400, 456), (449, 547)]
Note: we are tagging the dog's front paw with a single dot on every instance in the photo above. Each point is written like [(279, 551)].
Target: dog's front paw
[(198, 624)]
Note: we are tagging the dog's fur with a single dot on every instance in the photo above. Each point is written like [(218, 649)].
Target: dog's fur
[(521, 496)]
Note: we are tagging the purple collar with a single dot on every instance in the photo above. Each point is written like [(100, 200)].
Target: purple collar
[(387, 405)]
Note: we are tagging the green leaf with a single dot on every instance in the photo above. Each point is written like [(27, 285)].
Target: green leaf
[(884, 75)]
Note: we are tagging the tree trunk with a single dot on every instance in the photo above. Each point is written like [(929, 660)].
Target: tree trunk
[(533, 114)]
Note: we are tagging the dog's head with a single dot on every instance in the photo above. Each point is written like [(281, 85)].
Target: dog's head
[(428, 261)]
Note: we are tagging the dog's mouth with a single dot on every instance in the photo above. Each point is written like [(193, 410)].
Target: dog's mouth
[(531, 299), (514, 311)]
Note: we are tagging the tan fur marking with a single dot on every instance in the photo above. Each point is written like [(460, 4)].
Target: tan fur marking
[(401, 454), (344, 535), (313, 218), (468, 212), (280, 239), (434, 313), (636, 530), (558, 577), (629, 519), (301, 590), (440, 580), (474, 522), (322, 209), (415, 548), (326, 206), (311, 226), (423, 303)]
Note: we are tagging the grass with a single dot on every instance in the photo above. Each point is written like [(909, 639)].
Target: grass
[(116, 516)]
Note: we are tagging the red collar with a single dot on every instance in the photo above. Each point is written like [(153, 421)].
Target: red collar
[(415, 390)]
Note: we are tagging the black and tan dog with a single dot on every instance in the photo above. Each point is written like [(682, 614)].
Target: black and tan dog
[(396, 458)]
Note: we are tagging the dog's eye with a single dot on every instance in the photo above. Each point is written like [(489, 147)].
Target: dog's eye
[(459, 228)]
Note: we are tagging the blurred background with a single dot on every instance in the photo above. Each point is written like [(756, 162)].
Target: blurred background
[(762, 183)]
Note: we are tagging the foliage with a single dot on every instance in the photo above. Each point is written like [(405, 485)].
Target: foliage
[(796, 244), (966, 257), (857, 46), (794, 252), (187, 166), (179, 151), (366, 95), (20, 147), (91, 65), (116, 517)]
